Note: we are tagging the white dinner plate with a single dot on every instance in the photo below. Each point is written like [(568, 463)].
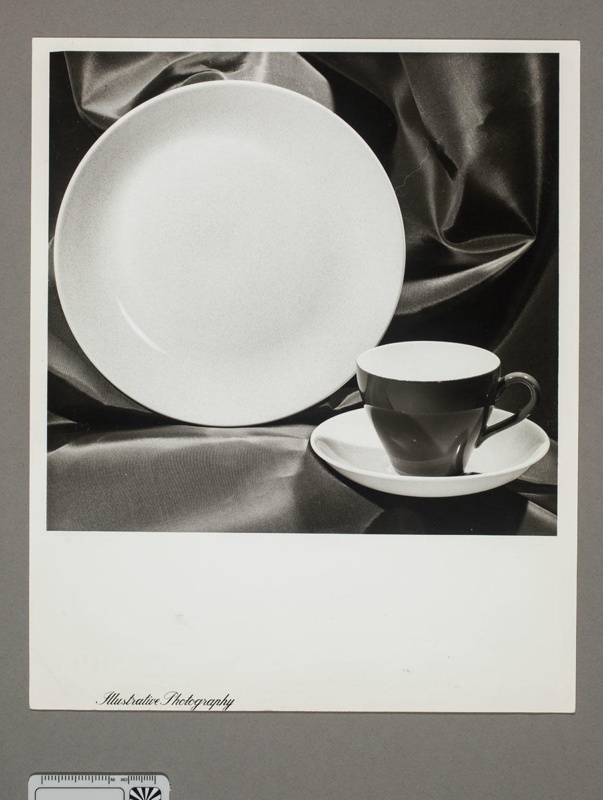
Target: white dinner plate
[(349, 444), (226, 250)]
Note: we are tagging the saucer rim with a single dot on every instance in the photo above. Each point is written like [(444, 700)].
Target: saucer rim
[(522, 466)]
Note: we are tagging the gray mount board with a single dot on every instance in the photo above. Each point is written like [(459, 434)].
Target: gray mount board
[(424, 757)]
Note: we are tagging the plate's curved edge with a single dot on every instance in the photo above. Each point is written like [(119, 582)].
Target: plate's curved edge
[(241, 421)]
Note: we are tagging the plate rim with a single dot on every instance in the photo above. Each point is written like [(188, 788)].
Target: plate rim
[(204, 86)]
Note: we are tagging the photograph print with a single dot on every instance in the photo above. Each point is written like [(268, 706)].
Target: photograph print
[(303, 292), (284, 294)]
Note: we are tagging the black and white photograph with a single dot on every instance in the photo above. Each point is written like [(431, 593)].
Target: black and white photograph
[(309, 346), (231, 232)]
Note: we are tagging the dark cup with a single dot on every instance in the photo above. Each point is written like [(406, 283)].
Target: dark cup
[(430, 402)]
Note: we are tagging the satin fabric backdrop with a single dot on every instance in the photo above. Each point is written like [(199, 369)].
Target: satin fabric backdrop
[(470, 142)]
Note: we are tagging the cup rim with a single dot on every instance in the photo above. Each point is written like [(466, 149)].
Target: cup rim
[(442, 344)]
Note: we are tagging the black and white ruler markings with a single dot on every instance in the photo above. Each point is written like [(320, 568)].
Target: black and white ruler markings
[(72, 786)]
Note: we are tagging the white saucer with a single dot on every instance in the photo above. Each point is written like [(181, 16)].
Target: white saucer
[(349, 444), (225, 251)]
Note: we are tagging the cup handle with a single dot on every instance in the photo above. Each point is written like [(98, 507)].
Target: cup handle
[(503, 385)]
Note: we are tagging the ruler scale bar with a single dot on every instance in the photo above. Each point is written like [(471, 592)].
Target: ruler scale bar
[(95, 786)]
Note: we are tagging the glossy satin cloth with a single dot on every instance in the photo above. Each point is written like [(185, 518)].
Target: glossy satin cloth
[(471, 146)]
